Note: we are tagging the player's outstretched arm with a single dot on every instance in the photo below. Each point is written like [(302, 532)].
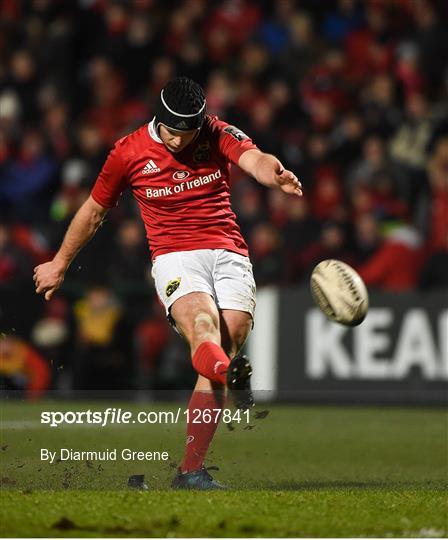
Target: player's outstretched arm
[(48, 277), (269, 171)]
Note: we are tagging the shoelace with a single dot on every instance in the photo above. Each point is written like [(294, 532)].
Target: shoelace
[(211, 468)]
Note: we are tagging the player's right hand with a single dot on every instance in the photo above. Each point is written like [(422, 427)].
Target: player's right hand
[(48, 277)]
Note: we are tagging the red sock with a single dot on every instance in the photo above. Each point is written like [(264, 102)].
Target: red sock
[(211, 362), (201, 426)]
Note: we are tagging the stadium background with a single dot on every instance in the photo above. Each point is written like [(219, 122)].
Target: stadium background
[(352, 96)]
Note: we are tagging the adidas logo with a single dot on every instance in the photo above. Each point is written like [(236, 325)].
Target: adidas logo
[(150, 167), (182, 125)]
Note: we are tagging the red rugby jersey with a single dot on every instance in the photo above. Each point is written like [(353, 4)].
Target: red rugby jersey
[(184, 198)]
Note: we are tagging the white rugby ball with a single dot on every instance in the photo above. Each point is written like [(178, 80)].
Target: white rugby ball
[(339, 292)]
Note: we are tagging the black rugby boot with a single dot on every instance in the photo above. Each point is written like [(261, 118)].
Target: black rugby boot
[(238, 382), (200, 480)]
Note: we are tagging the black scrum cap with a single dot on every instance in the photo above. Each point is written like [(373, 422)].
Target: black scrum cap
[(181, 105)]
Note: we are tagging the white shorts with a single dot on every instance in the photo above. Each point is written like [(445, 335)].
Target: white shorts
[(226, 276)]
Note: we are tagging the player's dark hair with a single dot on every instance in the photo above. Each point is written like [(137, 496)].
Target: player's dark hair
[(181, 105)]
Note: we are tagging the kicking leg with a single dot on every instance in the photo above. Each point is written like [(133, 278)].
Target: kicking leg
[(197, 318)]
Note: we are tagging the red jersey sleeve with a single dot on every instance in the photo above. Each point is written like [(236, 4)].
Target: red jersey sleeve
[(232, 142), (112, 179)]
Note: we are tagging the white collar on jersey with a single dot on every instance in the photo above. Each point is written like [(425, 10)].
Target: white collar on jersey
[(153, 132)]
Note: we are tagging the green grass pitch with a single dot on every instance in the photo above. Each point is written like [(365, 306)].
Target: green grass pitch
[(302, 471)]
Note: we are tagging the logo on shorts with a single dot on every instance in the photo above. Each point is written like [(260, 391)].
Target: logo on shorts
[(180, 175), (190, 439), (202, 153), (172, 286)]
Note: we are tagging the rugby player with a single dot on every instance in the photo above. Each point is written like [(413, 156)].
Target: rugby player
[(177, 167)]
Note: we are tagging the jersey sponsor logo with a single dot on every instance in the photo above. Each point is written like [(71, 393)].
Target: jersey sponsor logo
[(236, 133), (180, 175), (172, 286), (202, 152), (150, 168), (166, 191)]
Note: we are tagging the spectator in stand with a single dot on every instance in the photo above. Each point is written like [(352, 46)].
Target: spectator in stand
[(250, 210), (301, 227), (51, 336), (130, 256), (324, 90), (317, 155), (140, 42), (279, 100), (15, 263), (267, 257), (277, 204), (57, 130), (346, 139), (370, 48), (153, 335), (367, 237), (103, 342), (300, 230), (261, 117), (397, 264), (69, 197), (374, 162), (23, 81), (331, 244), (379, 107), (433, 207), (129, 270), (220, 93), (27, 179), (10, 115), (228, 26), (408, 71), (409, 144), (110, 112), (327, 195), (22, 370), (431, 39), (386, 202), (273, 30), (345, 19), (91, 149)]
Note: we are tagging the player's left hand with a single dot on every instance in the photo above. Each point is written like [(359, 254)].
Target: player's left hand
[(288, 181)]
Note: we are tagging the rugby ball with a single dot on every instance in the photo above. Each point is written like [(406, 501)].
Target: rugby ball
[(339, 292)]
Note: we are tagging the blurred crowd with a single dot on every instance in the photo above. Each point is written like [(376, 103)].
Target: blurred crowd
[(352, 96)]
